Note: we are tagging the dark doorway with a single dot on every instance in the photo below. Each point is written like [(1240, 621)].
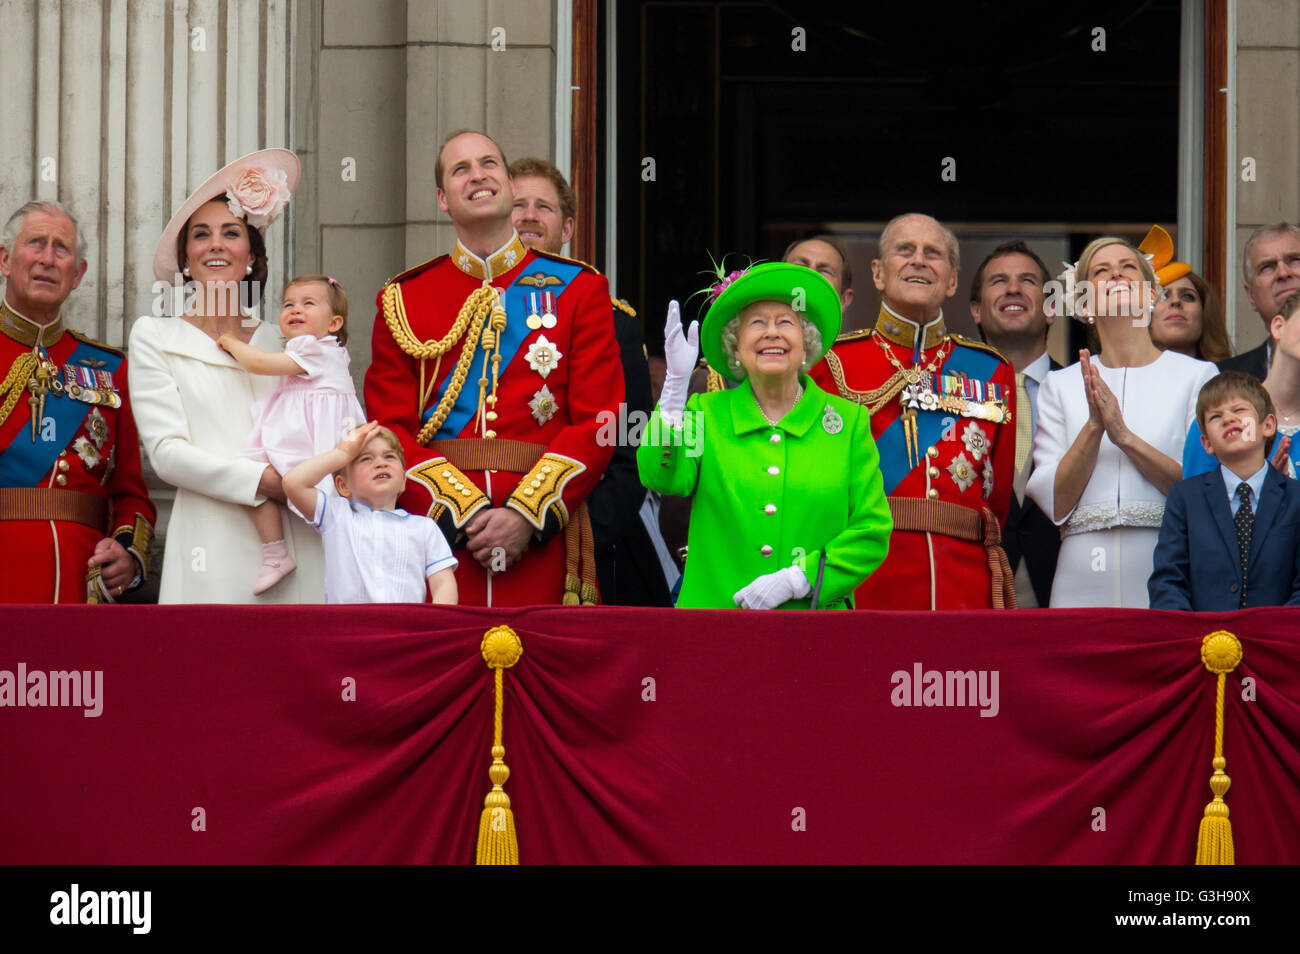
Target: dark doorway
[(768, 120)]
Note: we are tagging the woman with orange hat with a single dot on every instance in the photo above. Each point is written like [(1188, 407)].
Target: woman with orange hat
[(193, 402), (1188, 317), (1110, 432)]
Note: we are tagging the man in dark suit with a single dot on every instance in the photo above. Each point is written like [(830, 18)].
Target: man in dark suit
[(1230, 538), (1270, 265), (629, 568), (1006, 301)]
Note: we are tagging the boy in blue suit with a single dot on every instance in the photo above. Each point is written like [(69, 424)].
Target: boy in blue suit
[(1231, 537)]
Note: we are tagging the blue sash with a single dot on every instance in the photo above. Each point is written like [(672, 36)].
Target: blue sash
[(24, 461), (930, 425), (516, 331)]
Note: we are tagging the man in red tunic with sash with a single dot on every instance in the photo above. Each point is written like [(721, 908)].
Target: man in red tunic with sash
[(76, 522), (493, 365), (942, 408)]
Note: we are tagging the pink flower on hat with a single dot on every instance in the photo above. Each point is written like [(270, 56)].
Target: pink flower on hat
[(260, 194), (721, 286)]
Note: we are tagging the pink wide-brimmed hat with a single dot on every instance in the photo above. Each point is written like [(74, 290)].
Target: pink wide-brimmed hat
[(256, 186)]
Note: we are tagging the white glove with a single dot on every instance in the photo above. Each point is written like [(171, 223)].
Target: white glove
[(681, 350), (774, 589)]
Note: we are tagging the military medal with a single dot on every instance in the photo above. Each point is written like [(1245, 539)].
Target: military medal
[(534, 317), (548, 309), (543, 357), (543, 405), (832, 423), (90, 386)]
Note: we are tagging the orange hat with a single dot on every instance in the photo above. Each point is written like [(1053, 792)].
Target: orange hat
[(1159, 248)]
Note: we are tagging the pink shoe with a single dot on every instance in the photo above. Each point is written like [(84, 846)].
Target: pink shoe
[(276, 565)]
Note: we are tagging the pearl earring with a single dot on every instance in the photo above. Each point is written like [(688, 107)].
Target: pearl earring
[(186, 271), (1092, 320), (248, 269)]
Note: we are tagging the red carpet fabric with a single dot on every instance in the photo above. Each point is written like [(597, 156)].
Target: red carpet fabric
[(644, 736)]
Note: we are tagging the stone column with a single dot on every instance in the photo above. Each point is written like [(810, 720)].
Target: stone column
[(1268, 133), (119, 108), (379, 86)]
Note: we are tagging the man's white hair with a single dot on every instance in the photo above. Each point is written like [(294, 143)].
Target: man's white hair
[(50, 207), (954, 252)]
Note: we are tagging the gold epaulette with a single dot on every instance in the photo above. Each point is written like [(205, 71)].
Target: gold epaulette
[(86, 339), (854, 335), (572, 261), (415, 270), (982, 346), (622, 306)]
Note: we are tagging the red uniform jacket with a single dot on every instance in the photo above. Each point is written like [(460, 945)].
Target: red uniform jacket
[(559, 385), (964, 459), (84, 448)]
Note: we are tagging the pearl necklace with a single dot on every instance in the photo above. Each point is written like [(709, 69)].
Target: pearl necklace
[(798, 393)]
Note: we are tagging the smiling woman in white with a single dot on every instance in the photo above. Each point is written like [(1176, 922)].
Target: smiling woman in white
[(1110, 435), (195, 402)]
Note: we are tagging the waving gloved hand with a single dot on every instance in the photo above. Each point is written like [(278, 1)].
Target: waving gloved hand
[(774, 589), (681, 350)]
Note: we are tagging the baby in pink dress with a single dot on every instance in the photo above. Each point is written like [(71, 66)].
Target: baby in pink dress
[(312, 408)]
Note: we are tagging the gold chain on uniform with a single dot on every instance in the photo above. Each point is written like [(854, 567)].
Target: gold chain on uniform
[(910, 376), (877, 398), (471, 318), (15, 383)]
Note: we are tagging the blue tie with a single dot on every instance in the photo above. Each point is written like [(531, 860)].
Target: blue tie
[(1245, 523)]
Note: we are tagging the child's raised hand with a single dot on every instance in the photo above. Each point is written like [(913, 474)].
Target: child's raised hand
[(224, 341), (357, 438)]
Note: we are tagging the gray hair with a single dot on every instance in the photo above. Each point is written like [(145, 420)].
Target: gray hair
[(1268, 231), (813, 345), (50, 207), (954, 254)]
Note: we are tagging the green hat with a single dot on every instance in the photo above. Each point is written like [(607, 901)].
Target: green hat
[(771, 281)]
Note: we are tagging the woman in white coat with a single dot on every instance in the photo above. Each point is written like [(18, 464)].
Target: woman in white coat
[(193, 402), (1110, 434)]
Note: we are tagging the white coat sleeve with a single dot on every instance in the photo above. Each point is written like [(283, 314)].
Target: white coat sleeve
[(163, 423), (1051, 441)]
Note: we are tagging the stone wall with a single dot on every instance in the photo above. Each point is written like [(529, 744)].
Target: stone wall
[(1268, 131), (374, 99)]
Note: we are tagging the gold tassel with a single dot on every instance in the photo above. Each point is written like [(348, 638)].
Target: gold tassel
[(497, 843), (572, 587), (1221, 653)]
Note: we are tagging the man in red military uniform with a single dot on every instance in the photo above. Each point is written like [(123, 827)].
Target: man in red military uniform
[(941, 413), (76, 522), (493, 365)]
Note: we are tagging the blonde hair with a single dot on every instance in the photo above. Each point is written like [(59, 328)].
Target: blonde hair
[(389, 438), (338, 300), (1083, 282)]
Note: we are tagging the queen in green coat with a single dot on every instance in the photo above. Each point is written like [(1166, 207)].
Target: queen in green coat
[(790, 508)]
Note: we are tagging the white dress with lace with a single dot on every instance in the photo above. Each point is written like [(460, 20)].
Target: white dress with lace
[(1108, 538)]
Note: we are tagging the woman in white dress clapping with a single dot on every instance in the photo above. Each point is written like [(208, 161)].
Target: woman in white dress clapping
[(1110, 433)]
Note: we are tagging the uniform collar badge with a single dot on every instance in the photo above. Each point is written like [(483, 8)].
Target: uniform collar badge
[(496, 264)]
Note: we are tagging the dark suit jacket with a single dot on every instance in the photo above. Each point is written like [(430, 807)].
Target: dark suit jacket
[(1197, 564), (1030, 534), (627, 567), (1253, 362)]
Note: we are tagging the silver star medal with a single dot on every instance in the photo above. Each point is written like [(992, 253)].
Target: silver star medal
[(832, 423)]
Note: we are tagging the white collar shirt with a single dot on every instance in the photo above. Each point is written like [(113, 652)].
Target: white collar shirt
[(377, 556)]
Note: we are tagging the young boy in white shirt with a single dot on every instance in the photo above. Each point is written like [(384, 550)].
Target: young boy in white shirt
[(374, 552)]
